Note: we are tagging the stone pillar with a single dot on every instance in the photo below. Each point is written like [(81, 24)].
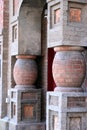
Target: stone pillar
[(25, 100), (67, 105)]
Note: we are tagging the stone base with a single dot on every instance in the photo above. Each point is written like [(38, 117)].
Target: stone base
[(7, 125), (26, 126), (68, 89), (4, 124), (66, 111), (25, 105)]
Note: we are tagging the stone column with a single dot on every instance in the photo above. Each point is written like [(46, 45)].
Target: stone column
[(66, 106), (25, 100)]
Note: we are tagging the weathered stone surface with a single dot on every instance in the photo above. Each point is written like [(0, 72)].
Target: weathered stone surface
[(4, 125), (27, 126), (64, 117), (25, 105), (75, 123), (28, 27), (71, 28)]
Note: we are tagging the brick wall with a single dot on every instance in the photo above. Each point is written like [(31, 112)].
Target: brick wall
[(4, 51)]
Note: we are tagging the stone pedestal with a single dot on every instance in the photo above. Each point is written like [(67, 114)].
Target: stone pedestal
[(25, 105), (27, 126), (25, 99), (66, 111), (67, 105), (25, 109)]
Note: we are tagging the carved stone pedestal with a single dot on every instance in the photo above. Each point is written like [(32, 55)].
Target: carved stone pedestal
[(66, 111), (26, 105), (25, 109), (25, 99), (27, 126)]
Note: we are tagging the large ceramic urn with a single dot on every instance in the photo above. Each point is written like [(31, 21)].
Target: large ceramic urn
[(68, 67), (25, 70)]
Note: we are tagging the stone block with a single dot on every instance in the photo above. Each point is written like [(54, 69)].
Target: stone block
[(25, 105), (4, 124), (27, 126), (66, 20), (69, 114)]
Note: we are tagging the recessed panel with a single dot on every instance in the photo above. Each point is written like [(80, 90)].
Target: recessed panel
[(26, 95), (1, 15), (28, 112), (55, 121), (75, 123), (13, 111), (74, 102), (14, 33), (53, 100), (15, 6), (75, 15), (56, 16), (13, 95)]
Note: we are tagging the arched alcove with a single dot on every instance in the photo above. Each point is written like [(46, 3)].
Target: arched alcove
[(29, 32)]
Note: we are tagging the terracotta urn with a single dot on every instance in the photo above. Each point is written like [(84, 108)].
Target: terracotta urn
[(25, 70), (68, 67)]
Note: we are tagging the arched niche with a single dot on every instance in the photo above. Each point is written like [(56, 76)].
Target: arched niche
[(29, 30)]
